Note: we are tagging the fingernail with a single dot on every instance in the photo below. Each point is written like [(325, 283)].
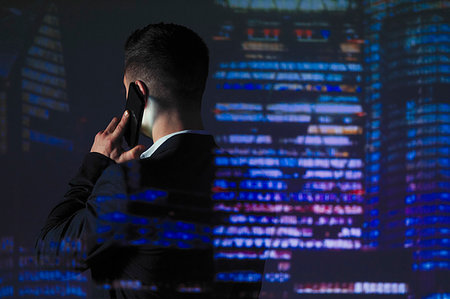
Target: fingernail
[(126, 113)]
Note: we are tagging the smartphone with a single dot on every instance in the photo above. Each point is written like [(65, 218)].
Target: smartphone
[(135, 106)]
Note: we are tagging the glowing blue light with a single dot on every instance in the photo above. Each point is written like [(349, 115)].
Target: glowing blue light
[(141, 241), (149, 195), (115, 217), (140, 220), (51, 140), (103, 229)]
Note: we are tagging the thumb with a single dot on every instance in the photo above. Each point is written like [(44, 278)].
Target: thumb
[(132, 154)]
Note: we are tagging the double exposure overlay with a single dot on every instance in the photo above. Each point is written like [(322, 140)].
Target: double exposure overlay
[(330, 178)]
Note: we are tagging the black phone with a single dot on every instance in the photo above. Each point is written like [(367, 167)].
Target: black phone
[(135, 106)]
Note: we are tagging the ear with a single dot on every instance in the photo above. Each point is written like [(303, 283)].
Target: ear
[(142, 88)]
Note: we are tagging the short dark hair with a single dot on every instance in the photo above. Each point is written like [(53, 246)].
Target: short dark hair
[(172, 60)]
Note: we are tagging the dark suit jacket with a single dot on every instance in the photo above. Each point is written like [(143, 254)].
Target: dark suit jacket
[(141, 227)]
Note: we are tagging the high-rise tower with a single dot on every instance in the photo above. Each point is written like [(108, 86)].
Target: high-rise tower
[(35, 136), (407, 165), (44, 99), (288, 106)]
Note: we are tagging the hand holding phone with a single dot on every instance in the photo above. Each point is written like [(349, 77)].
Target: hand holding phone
[(108, 142)]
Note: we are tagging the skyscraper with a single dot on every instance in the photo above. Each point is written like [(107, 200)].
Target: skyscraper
[(34, 139), (288, 106), (44, 99), (408, 83)]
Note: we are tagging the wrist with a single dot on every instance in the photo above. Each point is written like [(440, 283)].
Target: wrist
[(93, 165)]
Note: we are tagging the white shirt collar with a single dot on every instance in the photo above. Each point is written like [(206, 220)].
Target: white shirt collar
[(163, 139)]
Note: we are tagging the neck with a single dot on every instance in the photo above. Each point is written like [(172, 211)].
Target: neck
[(171, 122)]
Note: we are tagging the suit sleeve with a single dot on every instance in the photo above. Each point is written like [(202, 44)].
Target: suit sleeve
[(69, 227)]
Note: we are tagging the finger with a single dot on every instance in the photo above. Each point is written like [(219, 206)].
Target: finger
[(132, 154), (112, 125), (119, 130)]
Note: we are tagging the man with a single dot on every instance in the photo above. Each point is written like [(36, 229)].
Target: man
[(142, 217)]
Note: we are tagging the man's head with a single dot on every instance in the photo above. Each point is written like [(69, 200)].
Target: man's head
[(172, 61)]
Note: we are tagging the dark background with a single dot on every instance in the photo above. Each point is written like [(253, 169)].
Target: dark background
[(93, 34)]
